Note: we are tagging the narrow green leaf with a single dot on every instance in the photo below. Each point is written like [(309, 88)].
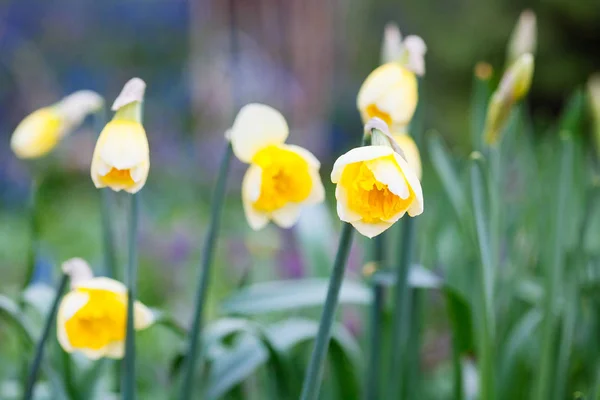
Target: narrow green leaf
[(316, 245), (282, 296)]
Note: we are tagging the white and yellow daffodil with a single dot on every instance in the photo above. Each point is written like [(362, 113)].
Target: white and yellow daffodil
[(43, 129), (92, 316), (410, 151), (281, 178), (121, 158), (375, 188), (390, 93)]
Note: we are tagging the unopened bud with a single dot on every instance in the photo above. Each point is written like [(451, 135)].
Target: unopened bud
[(128, 104), (391, 48), (78, 270), (516, 81), (523, 38)]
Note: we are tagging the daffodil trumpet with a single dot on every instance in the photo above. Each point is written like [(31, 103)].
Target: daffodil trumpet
[(194, 352), (39, 349)]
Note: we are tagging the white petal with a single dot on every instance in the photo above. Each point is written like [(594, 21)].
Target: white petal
[(370, 230), (102, 168), (250, 193), (416, 207), (255, 127), (77, 269), (343, 211), (143, 316), (140, 172), (94, 354), (387, 172), (114, 350), (123, 145), (251, 183), (287, 216), (102, 283), (132, 91), (357, 154)]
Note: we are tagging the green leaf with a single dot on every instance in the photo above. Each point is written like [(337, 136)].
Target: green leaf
[(235, 365), (283, 296), (448, 177)]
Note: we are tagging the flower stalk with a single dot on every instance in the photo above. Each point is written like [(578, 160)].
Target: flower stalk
[(39, 350), (128, 384), (378, 290), (194, 353)]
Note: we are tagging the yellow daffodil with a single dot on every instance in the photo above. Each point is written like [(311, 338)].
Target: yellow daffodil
[(410, 152), (281, 177), (92, 316), (375, 188), (41, 130), (121, 158), (390, 93)]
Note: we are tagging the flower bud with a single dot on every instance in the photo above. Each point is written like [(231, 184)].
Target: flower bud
[(593, 87), (523, 38)]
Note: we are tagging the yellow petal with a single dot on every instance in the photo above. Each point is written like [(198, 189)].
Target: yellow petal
[(390, 93), (69, 305), (37, 134), (255, 127), (389, 174), (417, 206), (411, 152)]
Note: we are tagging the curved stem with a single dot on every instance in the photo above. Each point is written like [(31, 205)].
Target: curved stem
[(194, 353), (314, 373), (373, 373), (39, 350)]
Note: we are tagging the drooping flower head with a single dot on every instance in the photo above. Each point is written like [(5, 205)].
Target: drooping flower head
[(41, 130), (375, 187), (121, 158), (390, 93), (92, 316), (281, 177)]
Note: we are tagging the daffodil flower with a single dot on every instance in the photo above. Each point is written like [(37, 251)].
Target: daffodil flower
[(121, 158), (390, 93), (375, 188), (281, 178), (42, 130), (92, 316)]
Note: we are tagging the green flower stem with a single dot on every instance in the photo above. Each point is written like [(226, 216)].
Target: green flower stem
[(194, 350), (486, 274), (373, 374), (109, 253), (314, 372), (34, 231), (128, 383), (39, 350), (400, 322), (554, 276)]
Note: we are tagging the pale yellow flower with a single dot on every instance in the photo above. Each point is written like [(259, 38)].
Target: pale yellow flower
[(92, 316), (121, 158), (523, 38), (41, 130), (282, 178), (410, 151), (375, 188), (390, 93)]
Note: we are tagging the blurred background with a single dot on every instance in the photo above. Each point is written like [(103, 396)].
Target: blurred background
[(307, 58)]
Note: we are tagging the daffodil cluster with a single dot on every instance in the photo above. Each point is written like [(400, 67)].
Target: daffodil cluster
[(92, 315), (281, 178)]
